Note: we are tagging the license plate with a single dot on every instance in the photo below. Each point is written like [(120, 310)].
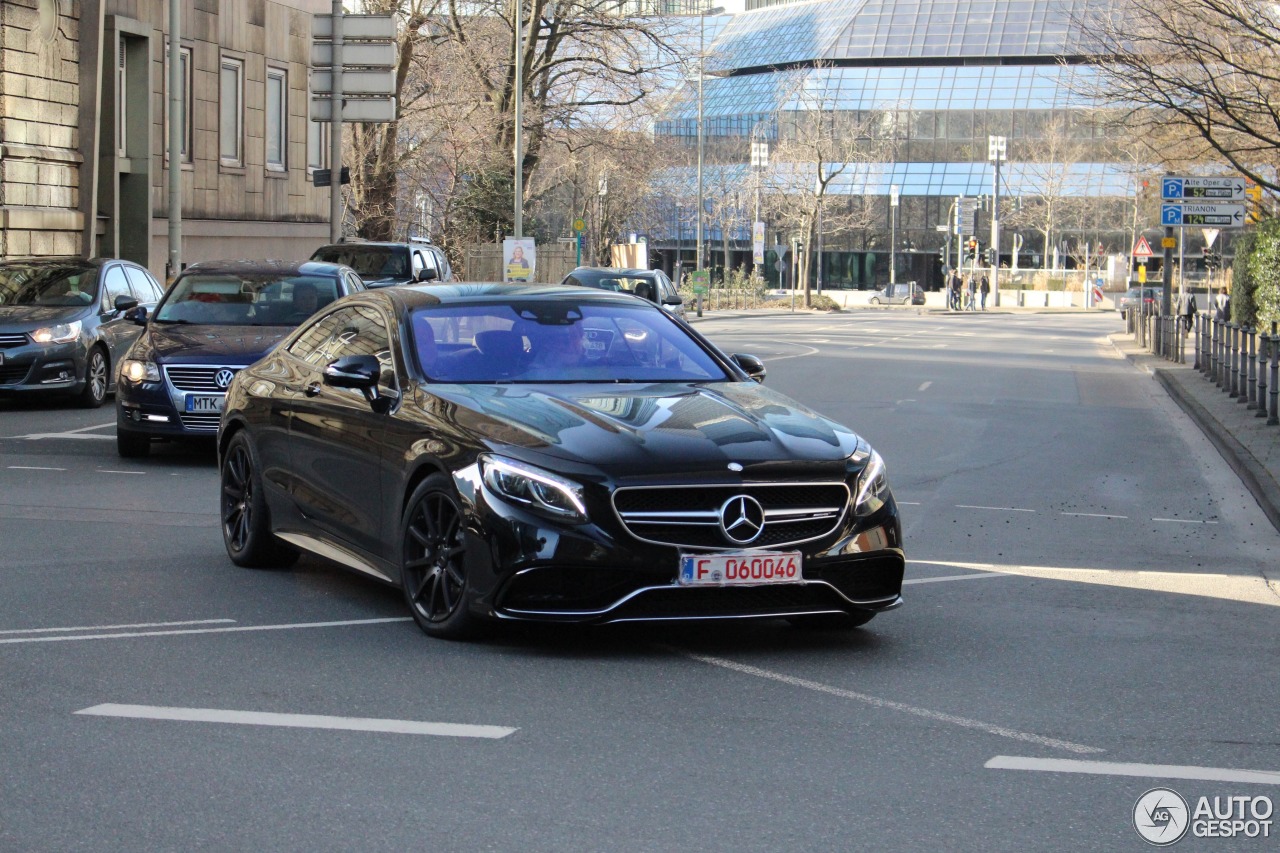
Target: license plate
[(205, 402), (745, 568)]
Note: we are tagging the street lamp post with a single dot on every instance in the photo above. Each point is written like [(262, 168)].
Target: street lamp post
[(996, 152), (759, 162), (702, 36), (893, 237)]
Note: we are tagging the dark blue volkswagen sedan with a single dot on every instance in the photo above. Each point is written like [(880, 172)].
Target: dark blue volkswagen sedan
[(216, 318)]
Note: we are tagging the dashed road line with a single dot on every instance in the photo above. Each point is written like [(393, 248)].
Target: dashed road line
[(298, 721), (1184, 520), (117, 627), (924, 386), (875, 701), (1114, 768), (109, 471), (236, 630), (996, 508), (33, 468), (1093, 515)]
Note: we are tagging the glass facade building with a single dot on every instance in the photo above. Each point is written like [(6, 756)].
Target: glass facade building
[(930, 81)]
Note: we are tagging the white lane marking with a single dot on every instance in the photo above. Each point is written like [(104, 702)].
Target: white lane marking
[(109, 471), (1094, 515), (998, 508), (237, 629), (117, 627), (89, 428), (924, 386), (957, 578), (877, 702), (297, 721), (1184, 520), (908, 503), (1113, 768), (33, 468), (36, 436)]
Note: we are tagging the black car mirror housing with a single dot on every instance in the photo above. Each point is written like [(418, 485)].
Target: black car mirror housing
[(361, 373), (125, 303), (751, 365), (137, 314), (427, 275)]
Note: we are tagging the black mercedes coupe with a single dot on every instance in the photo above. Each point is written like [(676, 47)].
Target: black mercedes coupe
[(550, 453)]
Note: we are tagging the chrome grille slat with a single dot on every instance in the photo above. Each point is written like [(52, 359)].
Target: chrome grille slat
[(204, 421), (198, 378), (688, 516), (10, 339)]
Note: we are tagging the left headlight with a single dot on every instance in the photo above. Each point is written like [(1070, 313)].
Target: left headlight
[(59, 334), (136, 370), (871, 481), (534, 489)]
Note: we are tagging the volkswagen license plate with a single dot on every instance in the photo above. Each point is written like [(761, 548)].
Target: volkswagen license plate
[(205, 402), (742, 568)]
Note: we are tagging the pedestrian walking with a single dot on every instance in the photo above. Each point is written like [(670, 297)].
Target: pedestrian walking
[(953, 291), (1187, 309), (1222, 306), (984, 288)]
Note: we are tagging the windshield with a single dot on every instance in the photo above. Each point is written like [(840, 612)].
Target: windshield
[(369, 261), (619, 282), (48, 285), (221, 299), (556, 341)]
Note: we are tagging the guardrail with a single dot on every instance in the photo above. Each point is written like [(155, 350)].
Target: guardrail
[(1242, 361)]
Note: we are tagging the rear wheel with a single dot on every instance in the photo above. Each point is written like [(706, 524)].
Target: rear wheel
[(433, 568), (832, 621), (95, 379), (875, 300), (245, 523), (132, 445)]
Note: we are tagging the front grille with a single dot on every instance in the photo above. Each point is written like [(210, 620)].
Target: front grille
[(689, 516), (202, 422), (13, 374), (9, 340), (196, 378), (677, 602)]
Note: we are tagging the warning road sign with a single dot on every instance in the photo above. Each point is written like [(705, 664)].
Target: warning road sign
[(1142, 249)]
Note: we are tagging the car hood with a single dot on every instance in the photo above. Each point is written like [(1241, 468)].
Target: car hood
[(640, 429), (220, 344), (26, 317)]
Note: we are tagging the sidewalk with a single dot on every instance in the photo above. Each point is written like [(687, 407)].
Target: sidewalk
[(1251, 448)]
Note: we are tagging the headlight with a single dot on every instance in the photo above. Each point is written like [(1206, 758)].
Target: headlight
[(534, 489), (137, 371), (871, 482), (59, 334)]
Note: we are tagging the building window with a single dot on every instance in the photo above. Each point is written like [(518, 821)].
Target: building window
[(120, 101), (277, 118), (184, 57), (231, 112)]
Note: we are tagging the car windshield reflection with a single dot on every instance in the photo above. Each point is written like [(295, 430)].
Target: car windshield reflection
[(586, 343), (245, 300), (50, 286)]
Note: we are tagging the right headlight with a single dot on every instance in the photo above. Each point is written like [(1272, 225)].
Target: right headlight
[(135, 371), (871, 481), (534, 489)]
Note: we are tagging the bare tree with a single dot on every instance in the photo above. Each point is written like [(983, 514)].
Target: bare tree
[(1048, 163), (1207, 71)]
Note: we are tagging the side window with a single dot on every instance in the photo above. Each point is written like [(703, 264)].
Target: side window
[(354, 283), (417, 263), (442, 264), (145, 289), (314, 344), (114, 284), (358, 330)]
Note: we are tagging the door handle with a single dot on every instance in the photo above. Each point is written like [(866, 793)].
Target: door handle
[(312, 390)]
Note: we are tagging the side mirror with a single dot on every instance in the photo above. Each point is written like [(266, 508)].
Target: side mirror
[(136, 314), (124, 303), (750, 365), (360, 372), (427, 274), (676, 300)]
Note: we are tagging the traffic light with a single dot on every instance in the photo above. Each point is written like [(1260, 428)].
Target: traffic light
[(971, 250), (991, 256)]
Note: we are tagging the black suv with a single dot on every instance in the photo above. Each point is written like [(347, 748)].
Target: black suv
[(386, 264)]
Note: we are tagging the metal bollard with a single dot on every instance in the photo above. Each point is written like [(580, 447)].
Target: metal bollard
[(1233, 371), (1250, 397), (1216, 344), (1198, 328), (1242, 367), (1265, 345), (1219, 372), (1274, 419)]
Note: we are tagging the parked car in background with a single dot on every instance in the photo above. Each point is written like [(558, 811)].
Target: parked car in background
[(62, 324), (553, 454), (387, 264), (1142, 298), (216, 318), (899, 294), (650, 284)]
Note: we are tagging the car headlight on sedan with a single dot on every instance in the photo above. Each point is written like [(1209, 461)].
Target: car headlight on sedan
[(136, 371), (534, 489), (60, 334), (871, 481)]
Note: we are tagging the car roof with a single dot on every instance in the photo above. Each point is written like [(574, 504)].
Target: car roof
[(265, 267), (59, 262), (420, 295), (613, 271)]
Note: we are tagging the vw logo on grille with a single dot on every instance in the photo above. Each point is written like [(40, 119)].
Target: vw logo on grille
[(223, 378), (742, 519)]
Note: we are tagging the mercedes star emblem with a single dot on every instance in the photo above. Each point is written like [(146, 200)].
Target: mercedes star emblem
[(742, 519)]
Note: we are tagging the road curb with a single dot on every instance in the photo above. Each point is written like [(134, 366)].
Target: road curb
[(1255, 477)]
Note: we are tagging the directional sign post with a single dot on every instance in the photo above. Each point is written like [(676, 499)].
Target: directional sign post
[(1212, 215), (1174, 188)]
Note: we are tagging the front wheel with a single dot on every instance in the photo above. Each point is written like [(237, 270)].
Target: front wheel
[(245, 524), (875, 301), (433, 566), (832, 621), (95, 379)]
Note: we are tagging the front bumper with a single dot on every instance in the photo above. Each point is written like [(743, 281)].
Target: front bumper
[(36, 368), (159, 409)]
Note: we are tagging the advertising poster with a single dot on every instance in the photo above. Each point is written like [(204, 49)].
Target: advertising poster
[(518, 254)]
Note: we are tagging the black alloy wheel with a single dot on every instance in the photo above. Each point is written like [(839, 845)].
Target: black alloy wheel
[(95, 379), (245, 525), (831, 621), (433, 561)]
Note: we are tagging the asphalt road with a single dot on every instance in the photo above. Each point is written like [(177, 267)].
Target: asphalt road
[(1085, 599)]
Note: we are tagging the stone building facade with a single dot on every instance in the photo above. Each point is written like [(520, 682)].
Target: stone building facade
[(83, 130)]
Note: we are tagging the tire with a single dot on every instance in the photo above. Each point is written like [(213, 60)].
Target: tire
[(433, 570), (246, 528), (95, 379), (832, 621), (875, 300), (132, 445)]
